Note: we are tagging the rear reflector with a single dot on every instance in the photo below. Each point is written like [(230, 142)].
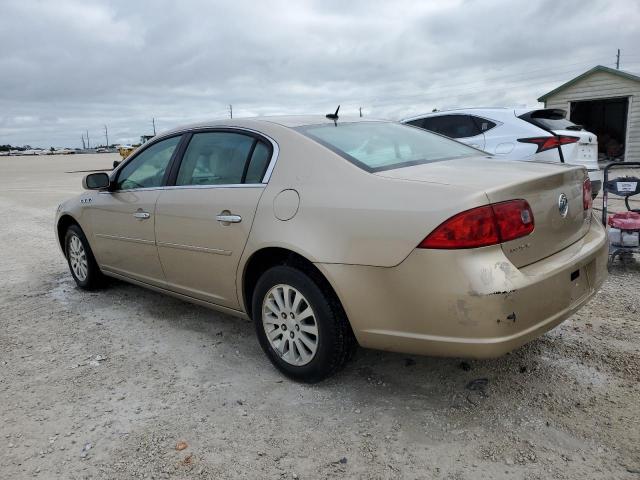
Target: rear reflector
[(547, 143), (483, 226), (587, 199)]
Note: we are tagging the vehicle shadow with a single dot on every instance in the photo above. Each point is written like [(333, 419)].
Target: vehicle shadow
[(375, 378)]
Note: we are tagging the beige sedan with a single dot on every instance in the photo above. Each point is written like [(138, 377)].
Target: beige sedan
[(331, 233)]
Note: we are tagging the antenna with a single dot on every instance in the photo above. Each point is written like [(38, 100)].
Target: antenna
[(106, 134), (360, 112), (618, 60), (333, 116), (230, 111), (153, 121)]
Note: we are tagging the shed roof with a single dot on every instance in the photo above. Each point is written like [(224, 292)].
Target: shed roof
[(598, 68)]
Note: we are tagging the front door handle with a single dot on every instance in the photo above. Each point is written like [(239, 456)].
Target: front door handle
[(141, 215), (228, 218)]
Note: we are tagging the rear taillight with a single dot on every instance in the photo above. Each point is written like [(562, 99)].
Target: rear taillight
[(515, 219), (547, 143), (587, 199), (483, 226)]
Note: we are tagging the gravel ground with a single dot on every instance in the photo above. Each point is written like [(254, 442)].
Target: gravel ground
[(108, 384)]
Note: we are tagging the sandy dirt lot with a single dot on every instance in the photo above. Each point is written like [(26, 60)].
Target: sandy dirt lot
[(106, 384)]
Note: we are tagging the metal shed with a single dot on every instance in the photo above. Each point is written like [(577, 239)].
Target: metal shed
[(606, 102)]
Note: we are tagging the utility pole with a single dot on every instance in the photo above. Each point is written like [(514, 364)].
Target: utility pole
[(88, 144), (618, 60), (106, 135), (153, 121), (230, 111), (360, 112)]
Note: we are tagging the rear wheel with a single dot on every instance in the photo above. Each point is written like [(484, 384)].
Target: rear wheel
[(82, 264), (300, 324)]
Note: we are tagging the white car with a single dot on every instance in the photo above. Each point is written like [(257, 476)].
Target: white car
[(519, 134)]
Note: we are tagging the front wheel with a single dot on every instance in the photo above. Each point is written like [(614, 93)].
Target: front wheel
[(300, 324), (83, 266)]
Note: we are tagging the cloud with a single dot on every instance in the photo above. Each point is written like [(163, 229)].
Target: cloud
[(74, 65)]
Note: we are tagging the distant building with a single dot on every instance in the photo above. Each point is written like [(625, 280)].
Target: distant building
[(606, 102)]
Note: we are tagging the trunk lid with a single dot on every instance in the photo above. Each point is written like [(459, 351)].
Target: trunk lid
[(584, 152), (540, 184)]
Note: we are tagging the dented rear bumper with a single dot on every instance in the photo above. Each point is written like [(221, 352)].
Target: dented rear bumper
[(467, 303)]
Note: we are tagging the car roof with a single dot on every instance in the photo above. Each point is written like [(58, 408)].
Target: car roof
[(289, 121), (495, 112)]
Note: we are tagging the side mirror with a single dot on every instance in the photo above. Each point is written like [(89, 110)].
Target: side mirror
[(95, 181), (116, 163)]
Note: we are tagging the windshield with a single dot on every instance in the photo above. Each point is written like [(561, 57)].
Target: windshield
[(377, 146)]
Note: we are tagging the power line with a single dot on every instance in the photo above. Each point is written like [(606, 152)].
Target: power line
[(424, 97), (429, 93), (527, 76), (528, 73)]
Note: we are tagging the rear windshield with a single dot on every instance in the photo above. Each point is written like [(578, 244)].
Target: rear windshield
[(377, 146), (550, 120)]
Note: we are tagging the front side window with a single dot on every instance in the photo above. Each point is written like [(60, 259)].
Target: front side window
[(453, 126), (147, 169), (215, 158), (377, 146)]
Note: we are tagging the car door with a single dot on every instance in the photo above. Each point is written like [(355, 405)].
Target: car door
[(123, 218), (457, 126), (203, 221)]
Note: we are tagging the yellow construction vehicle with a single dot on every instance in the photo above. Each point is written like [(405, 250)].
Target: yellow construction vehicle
[(125, 150)]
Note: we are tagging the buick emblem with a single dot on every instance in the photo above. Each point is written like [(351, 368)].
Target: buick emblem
[(563, 204)]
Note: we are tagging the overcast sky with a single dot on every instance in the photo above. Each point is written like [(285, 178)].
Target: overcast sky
[(71, 65)]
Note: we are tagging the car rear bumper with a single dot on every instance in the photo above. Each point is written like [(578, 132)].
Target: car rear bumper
[(467, 303)]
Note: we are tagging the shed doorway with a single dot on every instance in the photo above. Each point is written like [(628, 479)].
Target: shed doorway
[(608, 120)]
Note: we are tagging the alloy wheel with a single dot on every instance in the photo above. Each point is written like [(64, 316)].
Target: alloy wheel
[(290, 324), (78, 258)]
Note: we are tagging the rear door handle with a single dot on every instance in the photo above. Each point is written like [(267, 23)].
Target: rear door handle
[(141, 215), (229, 218)]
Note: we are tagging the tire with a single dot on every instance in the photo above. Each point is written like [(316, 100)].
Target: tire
[(291, 348), (82, 263)]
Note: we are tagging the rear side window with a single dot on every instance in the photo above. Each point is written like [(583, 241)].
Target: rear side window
[(258, 164), (215, 158), (418, 122), (377, 146), (453, 126), (483, 124)]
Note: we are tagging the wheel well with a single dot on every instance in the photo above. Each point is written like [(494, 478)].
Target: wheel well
[(266, 258), (63, 224)]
